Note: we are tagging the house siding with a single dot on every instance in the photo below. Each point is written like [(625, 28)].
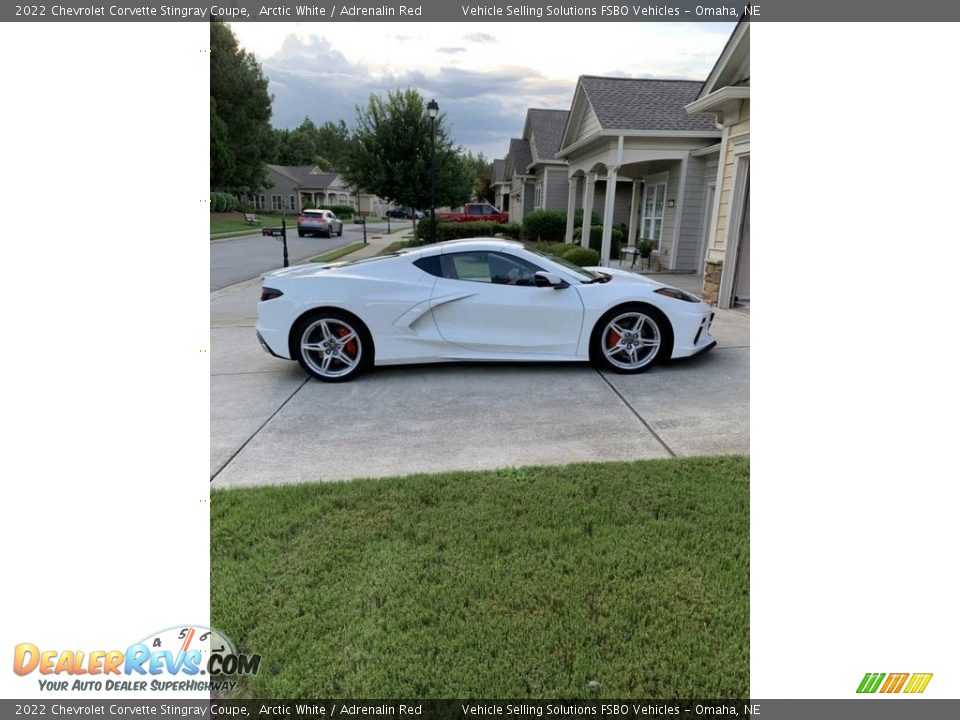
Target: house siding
[(556, 189), (590, 124), (689, 255), (726, 185)]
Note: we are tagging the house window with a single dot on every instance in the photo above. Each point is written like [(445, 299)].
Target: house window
[(537, 196), (293, 202), (651, 224), (260, 202), (276, 202)]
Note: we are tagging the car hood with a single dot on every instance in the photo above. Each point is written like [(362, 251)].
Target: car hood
[(623, 276)]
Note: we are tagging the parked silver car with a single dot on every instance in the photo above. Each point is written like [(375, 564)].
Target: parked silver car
[(319, 222)]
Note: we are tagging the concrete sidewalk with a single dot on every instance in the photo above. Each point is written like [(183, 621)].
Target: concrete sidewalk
[(270, 424)]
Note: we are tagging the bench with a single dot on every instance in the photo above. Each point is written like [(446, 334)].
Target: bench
[(251, 219)]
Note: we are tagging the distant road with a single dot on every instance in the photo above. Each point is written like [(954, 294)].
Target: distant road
[(243, 258)]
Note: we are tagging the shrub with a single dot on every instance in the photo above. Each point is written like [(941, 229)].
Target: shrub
[(514, 231), (596, 237), (584, 257), (555, 248), (545, 225), (344, 211), (578, 218), (458, 231)]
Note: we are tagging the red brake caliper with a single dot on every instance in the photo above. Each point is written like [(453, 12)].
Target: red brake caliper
[(351, 345), (613, 338)]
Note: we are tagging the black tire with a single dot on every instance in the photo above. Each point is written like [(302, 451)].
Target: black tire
[(340, 232), (647, 340), (301, 233), (347, 358)]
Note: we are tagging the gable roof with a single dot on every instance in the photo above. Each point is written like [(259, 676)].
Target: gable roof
[(308, 176), (734, 55), (499, 171), (544, 130), (519, 157), (644, 104)]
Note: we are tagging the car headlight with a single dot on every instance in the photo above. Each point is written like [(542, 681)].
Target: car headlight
[(677, 294)]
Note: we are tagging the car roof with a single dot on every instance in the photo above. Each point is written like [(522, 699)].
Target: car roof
[(316, 211), (466, 245)]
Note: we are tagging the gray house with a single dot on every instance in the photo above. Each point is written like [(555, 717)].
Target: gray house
[(521, 182), (543, 131), (637, 157), (292, 187), (501, 185)]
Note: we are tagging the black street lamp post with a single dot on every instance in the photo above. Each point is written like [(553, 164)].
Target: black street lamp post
[(432, 110)]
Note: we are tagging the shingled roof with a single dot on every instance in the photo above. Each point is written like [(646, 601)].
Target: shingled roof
[(520, 155), (499, 171), (546, 129), (644, 103), (307, 176)]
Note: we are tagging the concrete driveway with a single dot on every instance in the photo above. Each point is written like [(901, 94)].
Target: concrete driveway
[(270, 424)]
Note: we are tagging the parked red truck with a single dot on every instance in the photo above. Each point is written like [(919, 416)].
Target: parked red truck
[(475, 211)]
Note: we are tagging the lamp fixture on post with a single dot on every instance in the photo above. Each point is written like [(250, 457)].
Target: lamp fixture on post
[(432, 111)]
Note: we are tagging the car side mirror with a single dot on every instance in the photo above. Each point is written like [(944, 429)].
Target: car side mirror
[(542, 278)]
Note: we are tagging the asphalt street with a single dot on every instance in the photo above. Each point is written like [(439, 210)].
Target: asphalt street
[(238, 259)]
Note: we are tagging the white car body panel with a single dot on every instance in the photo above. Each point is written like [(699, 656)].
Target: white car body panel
[(414, 316)]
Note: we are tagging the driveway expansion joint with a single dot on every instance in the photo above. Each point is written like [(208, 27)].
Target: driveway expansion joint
[(636, 414), (257, 431)]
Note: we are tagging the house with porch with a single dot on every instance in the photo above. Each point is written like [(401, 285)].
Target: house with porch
[(636, 157), (725, 99), (292, 187)]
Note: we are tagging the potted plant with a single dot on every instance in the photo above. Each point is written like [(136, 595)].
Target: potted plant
[(645, 248)]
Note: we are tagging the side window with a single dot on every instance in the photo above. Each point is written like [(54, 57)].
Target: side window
[(430, 265), (489, 267), (487, 209), (474, 210)]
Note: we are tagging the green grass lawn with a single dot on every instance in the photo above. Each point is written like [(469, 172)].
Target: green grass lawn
[(590, 580), (338, 253)]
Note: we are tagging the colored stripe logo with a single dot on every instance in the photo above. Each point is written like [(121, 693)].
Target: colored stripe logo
[(894, 682)]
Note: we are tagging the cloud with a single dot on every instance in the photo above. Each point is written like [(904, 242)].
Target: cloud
[(480, 38), (451, 50), (310, 77)]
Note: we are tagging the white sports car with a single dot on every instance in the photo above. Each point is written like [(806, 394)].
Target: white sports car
[(480, 299)]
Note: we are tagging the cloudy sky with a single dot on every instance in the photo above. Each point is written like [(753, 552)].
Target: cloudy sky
[(484, 75)]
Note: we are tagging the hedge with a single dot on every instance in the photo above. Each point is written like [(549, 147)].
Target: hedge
[(596, 238), (584, 257), (223, 202), (458, 231), (545, 225), (339, 210)]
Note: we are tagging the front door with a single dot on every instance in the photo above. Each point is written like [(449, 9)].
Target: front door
[(493, 306)]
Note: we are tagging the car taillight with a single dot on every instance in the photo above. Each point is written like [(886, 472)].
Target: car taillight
[(269, 294), (299, 218)]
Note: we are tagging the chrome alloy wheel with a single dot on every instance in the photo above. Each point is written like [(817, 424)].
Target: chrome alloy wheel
[(331, 347), (631, 341)]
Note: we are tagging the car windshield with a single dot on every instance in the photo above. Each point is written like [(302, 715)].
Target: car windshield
[(584, 275)]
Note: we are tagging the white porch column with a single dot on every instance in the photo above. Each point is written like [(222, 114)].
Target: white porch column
[(609, 199), (588, 187), (571, 209), (634, 209)]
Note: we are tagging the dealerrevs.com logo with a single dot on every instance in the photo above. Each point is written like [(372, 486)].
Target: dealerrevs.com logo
[(894, 683), (183, 658)]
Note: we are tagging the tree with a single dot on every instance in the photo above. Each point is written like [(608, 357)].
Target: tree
[(325, 146), (239, 115), (483, 172), (389, 153)]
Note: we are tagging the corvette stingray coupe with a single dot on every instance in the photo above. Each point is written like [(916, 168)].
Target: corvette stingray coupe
[(476, 300)]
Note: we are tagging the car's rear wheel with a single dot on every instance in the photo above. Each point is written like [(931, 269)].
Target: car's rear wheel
[(301, 233), (332, 346), (631, 339)]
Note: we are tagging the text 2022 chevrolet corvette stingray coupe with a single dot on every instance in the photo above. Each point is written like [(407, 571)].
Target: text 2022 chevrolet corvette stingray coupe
[(482, 299)]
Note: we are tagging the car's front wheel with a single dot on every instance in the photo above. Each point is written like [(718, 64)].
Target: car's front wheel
[(631, 339), (332, 346)]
